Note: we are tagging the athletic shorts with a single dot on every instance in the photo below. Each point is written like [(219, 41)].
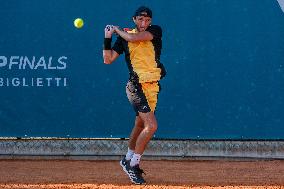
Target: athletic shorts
[(143, 96)]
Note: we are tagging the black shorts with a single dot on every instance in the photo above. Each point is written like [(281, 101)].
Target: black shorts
[(143, 96)]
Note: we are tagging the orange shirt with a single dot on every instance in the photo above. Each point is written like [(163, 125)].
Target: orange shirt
[(142, 57)]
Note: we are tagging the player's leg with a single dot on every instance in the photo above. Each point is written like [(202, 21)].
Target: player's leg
[(150, 127), (143, 97), (138, 127), (135, 174), (131, 89), (132, 168), (148, 101)]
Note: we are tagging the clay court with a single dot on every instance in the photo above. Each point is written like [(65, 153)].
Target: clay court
[(85, 174)]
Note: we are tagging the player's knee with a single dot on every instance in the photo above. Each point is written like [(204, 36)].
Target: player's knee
[(152, 127)]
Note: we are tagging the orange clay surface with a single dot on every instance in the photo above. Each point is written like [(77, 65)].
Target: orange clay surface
[(71, 174)]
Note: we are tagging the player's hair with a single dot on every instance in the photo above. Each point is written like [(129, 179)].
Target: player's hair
[(143, 11)]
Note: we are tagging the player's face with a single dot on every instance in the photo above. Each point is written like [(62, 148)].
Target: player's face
[(142, 22)]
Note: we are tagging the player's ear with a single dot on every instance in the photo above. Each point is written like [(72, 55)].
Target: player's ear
[(134, 19)]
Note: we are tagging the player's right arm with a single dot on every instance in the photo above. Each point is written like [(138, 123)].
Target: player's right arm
[(109, 54)]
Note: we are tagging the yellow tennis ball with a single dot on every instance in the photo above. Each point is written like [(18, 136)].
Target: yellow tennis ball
[(78, 22)]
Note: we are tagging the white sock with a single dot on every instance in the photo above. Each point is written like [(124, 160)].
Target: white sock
[(135, 159), (129, 154)]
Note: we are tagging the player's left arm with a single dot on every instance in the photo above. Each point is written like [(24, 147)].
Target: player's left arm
[(133, 37)]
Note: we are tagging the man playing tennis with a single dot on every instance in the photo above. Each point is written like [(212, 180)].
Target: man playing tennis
[(142, 47)]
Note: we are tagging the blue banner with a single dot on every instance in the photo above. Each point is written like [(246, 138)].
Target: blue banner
[(225, 64)]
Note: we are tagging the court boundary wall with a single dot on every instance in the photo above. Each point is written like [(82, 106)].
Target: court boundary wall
[(101, 149)]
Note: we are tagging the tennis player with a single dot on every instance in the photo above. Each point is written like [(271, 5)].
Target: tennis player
[(142, 48)]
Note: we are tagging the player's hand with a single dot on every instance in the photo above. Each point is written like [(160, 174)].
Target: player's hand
[(109, 31), (116, 28)]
